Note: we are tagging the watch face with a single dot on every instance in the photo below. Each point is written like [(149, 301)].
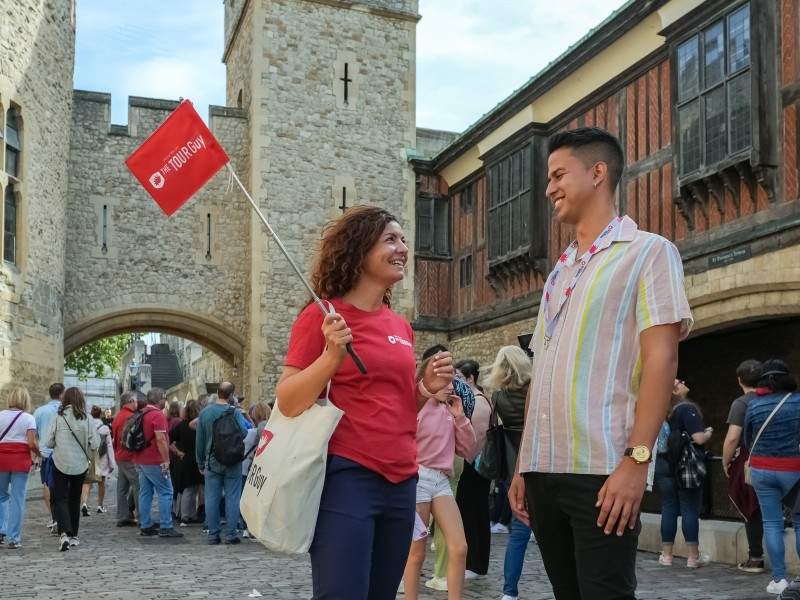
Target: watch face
[(640, 454)]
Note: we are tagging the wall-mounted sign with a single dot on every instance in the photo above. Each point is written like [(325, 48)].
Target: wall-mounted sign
[(729, 257)]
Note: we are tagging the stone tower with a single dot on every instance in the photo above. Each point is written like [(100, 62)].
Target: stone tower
[(37, 42), (329, 88)]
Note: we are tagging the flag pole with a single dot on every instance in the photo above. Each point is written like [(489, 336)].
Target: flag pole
[(285, 252)]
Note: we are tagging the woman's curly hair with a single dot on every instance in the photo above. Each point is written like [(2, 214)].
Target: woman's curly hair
[(345, 243)]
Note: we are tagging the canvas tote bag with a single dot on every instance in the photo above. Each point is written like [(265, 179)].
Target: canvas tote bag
[(281, 494)]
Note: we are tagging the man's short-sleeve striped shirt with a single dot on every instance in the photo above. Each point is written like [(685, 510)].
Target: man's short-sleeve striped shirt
[(585, 379)]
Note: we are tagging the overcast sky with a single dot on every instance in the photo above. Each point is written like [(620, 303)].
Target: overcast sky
[(470, 53)]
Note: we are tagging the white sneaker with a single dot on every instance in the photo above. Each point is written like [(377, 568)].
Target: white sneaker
[(471, 575), (437, 583), (499, 528), (701, 561), (63, 542), (777, 587), (73, 541), (101, 510), (507, 597)]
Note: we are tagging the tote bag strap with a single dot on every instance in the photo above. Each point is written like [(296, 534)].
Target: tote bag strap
[(77, 441), (769, 418), (14, 420)]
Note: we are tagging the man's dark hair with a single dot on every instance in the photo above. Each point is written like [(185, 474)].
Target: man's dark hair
[(749, 372), (775, 375), (433, 350), (226, 389), (155, 395), (56, 390), (592, 145)]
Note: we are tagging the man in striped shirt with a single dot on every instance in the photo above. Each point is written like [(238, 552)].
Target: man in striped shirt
[(605, 357)]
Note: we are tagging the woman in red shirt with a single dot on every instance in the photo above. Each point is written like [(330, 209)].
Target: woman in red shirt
[(366, 515)]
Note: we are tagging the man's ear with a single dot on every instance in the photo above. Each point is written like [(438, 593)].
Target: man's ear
[(599, 173)]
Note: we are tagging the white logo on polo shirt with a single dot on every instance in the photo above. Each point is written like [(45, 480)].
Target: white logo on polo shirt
[(396, 339)]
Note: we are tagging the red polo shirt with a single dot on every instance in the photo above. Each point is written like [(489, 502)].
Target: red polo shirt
[(154, 421)]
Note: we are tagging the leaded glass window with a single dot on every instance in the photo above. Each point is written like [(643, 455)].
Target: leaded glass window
[(10, 226), (13, 142), (713, 77), (510, 200), (433, 226)]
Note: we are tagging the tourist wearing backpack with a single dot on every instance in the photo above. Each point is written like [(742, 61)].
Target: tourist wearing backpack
[(684, 419), (127, 477), (102, 464), (221, 430), (153, 465)]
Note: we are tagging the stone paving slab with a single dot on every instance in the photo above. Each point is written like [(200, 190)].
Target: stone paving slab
[(116, 563)]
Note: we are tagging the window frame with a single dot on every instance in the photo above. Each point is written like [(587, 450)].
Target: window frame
[(17, 146), (704, 91), (760, 168), (10, 192), (468, 192), (439, 208), (466, 271), (495, 182)]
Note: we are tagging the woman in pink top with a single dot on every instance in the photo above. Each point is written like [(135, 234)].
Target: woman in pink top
[(442, 432)]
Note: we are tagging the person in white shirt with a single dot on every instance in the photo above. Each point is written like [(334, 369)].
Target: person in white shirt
[(17, 449)]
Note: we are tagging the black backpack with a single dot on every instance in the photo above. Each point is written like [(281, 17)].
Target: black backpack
[(103, 449), (686, 461), (133, 433), (227, 439)]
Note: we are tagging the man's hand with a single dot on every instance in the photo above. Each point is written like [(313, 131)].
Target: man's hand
[(516, 498), (621, 496)]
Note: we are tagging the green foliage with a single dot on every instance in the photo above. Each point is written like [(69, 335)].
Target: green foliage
[(92, 359)]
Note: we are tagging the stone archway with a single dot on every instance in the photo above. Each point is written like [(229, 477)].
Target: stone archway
[(204, 330)]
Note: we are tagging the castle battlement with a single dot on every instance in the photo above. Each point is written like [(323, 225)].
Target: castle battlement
[(93, 110)]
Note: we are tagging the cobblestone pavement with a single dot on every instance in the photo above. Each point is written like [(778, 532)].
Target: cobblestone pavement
[(116, 563)]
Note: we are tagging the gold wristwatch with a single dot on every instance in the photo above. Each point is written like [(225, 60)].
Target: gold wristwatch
[(640, 454)]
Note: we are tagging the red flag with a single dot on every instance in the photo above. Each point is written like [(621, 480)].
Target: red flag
[(178, 158)]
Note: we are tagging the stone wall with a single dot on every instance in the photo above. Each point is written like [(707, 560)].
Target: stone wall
[(307, 143), (155, 273), (37, 42), (238, 53)]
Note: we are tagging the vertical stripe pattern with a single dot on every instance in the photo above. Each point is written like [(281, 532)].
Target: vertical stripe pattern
[(586, 378)]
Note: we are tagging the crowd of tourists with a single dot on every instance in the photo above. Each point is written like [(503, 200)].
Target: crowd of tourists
[(185, 457), (760, 458)]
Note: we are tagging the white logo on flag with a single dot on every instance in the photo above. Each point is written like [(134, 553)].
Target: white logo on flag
[(157, 180)]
